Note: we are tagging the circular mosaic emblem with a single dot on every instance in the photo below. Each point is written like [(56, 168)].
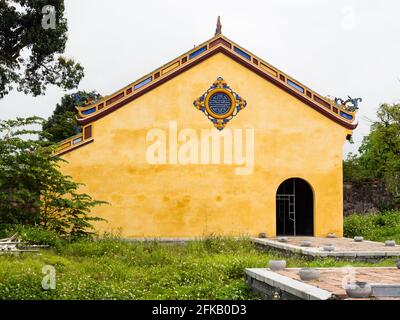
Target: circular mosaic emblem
[(220, 103)]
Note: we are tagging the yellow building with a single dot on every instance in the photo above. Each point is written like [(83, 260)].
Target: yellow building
[(216, 141)]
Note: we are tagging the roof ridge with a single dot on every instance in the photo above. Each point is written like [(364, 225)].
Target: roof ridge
[(197, 54), (148, 74)]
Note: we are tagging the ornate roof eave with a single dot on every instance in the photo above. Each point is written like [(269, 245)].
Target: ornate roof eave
[(217, 44)]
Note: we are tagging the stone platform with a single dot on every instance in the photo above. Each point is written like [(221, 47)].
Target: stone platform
[(344, 248), (286, 284)]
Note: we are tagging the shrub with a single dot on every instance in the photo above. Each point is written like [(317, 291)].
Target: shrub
[(40, 236), (33, 190), (32, 235), (377, 227), (358, 225)]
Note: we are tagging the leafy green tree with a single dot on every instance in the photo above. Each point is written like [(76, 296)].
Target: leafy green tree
[(30, 50), (33, 191), (379, 154), (62, 124)]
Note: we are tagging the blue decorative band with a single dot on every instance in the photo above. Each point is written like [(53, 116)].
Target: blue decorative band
[(295, 86), (77, 140), (144, 82), (89, 111), (197, 52), (346, 116), (242, 53)]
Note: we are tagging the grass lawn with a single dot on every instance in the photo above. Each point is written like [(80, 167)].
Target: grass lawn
[(112, 269)]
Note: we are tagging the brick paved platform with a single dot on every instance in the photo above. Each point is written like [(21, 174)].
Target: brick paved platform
[(287, 285), (344, 248)]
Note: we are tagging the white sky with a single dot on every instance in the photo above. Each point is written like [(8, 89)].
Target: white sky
[(337, 48)]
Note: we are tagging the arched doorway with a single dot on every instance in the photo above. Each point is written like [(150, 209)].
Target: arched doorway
[(294, 208)]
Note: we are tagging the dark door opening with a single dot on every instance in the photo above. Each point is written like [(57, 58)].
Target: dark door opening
[(294, 208)]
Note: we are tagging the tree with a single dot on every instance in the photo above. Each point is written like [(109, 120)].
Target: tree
[(379, 154), (33, 191), (31, 47), (62, 124)]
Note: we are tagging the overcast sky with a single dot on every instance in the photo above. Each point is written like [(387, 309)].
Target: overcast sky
[(337, 48)]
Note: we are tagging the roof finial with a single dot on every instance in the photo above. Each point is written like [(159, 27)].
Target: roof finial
[(219, 27)]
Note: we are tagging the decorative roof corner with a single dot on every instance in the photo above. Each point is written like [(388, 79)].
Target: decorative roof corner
[(351, 104)]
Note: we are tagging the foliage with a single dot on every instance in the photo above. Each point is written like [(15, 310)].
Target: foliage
[(32, 235), (33, 190), (377, 227), (30, 55), (62, 123), (379, 157), (113, 269)]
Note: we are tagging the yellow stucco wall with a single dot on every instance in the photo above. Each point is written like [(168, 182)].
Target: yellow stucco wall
[(291, 140)]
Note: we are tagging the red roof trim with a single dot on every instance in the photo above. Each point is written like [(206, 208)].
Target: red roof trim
[(230, 54)]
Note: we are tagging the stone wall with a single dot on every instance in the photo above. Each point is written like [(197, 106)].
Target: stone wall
[(366, 197)]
